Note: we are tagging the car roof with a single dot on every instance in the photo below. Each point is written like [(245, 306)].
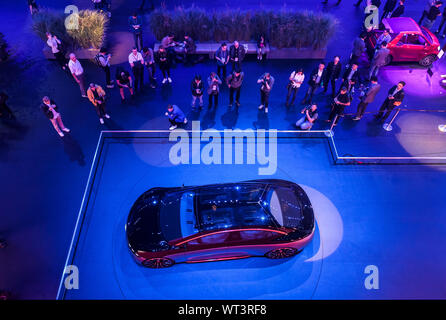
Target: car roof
[(401, 24)]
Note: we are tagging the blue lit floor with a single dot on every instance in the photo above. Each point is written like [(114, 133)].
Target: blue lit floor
[(360, 222)]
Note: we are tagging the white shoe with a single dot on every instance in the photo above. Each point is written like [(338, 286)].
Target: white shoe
[(84, 96), (266, 110), (164, 81), (107, 116), (261, 107), (61, 133), (185, 121), (170, 80), (66, 130), (173, 127), (101, 120)]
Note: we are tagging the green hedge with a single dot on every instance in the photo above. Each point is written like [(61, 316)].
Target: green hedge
[(283, 28), (91, 31)]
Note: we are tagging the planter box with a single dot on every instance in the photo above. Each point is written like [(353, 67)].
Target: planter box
[(294, 53), (251, 48), (80, 53)]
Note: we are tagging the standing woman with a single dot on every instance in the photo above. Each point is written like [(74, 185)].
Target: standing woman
[(296, 80), (55, 44), (164, 63), (214, 83), (261, 46)]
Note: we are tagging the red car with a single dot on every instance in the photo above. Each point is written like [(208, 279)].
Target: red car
[(410, 42), (269, 218)]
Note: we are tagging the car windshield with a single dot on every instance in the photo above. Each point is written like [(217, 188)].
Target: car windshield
[(284, 206), (177, 218), (231, 206)]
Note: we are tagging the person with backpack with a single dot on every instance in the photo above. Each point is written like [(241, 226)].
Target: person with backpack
[(103, 60)]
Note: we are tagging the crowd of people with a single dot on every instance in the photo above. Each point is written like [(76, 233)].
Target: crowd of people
[(342, 83)]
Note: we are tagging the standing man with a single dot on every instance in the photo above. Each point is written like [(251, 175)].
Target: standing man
[(197, 91), (432, 15), (367, 96), (97, 97), (164, 64), (176, 116), (317, 79), (341, 101), (222, 57), (350, 76), (135, 23), (384, 37), (189, 49), (104, 61), (399, 10), (296, 80), (388, 8), (310, 116), (443, 20), (379, 60), (137, 63), (266, 84), (78, 73), (234, 82), (149, 61), (358, 48), (394, 99), (51, 111), (429, 4), (214, 83), (236, 55), (332, 74)]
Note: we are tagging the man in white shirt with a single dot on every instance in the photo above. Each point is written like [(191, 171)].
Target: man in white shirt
[(54, 43), (296, 80), (78, 73), (137, 63)]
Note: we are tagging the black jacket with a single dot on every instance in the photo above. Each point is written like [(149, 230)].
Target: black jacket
[(399, 96), (239, 52), (194, 87), (313, 77), (355, 76), (333, 71), (46, 109), (398, 11), (390, 5)]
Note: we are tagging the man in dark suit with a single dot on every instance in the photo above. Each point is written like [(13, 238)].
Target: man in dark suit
[(317, 79), (51, 111), (399, 10), (367, 96), (358, 48), (236, 55), (350, 74), (388, 8), (332, 74), (394, 99)]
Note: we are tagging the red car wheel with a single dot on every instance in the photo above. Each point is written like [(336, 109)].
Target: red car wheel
[(281, 253), (157, 263)]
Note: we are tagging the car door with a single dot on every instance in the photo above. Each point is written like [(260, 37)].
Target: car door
[(212, 246), (417, 47), (398, 48)]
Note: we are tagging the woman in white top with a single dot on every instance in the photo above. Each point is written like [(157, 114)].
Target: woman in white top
[(54, 43), (296, 80)]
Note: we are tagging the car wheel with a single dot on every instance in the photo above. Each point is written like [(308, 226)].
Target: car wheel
[(281, 253), (389, 60), (157, 263), (428, 60)]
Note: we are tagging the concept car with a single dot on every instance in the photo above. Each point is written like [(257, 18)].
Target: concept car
[(270, 218)]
